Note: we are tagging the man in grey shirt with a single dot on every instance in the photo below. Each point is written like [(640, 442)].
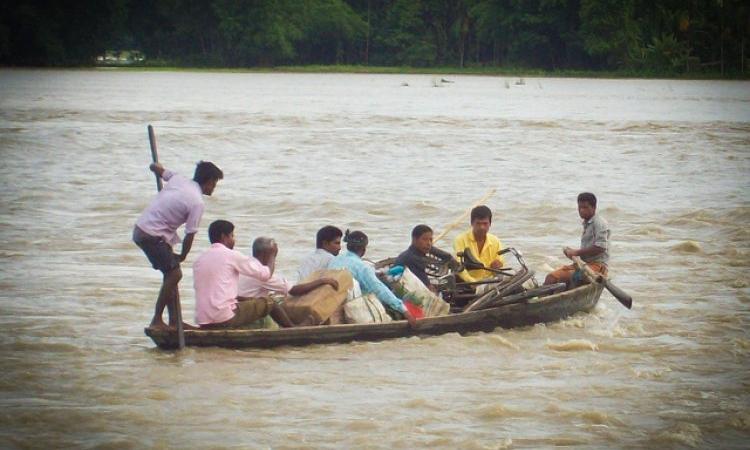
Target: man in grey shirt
[(594, 250)]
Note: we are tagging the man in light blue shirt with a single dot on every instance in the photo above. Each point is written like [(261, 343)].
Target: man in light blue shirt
[(351, 259)]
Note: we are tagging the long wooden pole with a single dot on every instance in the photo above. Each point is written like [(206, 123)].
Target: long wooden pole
[(159, 186), (463, 216), (623, 297)]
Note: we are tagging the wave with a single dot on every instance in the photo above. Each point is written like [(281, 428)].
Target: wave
[(573, 345)]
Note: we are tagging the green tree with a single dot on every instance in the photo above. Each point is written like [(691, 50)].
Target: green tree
[(610, 30)]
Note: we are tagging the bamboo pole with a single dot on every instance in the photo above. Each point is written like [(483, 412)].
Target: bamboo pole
[(463, 216)]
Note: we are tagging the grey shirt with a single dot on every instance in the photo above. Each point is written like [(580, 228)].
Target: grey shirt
[(596, 232)]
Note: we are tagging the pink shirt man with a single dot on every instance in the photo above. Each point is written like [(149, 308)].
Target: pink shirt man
[(181, 201), (216, 275)]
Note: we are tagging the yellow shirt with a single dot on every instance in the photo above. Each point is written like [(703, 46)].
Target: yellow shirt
[(492, 245)]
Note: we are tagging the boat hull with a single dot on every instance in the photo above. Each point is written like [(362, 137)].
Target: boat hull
[(544, 310)]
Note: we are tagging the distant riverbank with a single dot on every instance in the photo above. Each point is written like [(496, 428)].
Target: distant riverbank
[(484, 71)]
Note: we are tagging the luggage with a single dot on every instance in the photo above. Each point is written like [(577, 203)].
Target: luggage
[(409, 288), (365, 309), (320, 303)]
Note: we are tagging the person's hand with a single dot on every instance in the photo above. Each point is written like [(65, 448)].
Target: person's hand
[(411, 319), (496, 264), (570, 252), (331, 282), (157, 168)]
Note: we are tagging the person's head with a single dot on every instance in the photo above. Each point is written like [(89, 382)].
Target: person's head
[(264, 248), (221, 231), (356, 242), (586, 205), (481, 219), (207, 175), (421, 238), (329, 239)]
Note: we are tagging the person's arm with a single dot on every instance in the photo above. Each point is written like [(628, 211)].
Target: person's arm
[(304, 288), (187, 243), (496, 246), (158, 169), (583, 252), (381, 291), (247, 265)]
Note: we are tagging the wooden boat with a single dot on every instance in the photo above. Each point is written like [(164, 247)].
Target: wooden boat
[(538, 310)]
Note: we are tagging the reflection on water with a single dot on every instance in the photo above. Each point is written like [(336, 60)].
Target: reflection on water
[(669, 161)]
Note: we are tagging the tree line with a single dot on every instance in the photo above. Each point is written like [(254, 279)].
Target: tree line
[(666, 36)]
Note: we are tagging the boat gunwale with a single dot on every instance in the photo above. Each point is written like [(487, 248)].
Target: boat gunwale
[(480, 320)]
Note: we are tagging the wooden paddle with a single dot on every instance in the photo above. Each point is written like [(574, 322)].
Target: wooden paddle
[(621, 296), (463, 216), (159, 186)]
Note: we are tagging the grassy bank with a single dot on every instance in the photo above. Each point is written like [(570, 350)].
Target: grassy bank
[(485, 71)]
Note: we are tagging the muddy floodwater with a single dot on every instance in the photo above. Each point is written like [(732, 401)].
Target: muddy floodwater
[(669, 161)]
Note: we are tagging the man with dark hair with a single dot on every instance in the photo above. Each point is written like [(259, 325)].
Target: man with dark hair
[(216, 276), (155, 232), (482, 244), (351, 259), (594, 250), (328, 245), (421, 254), (265, 250)]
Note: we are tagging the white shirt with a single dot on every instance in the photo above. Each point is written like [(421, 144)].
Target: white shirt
[(316, 260), (181, 201)]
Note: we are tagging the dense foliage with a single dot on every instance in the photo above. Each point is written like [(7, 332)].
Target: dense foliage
[(667, 36)]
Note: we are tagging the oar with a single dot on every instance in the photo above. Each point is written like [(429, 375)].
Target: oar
[(177, 306), (463, 216), (621, 296)]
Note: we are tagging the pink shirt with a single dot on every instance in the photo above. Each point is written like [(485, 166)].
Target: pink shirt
[(181, 201), (253, 287), (216, 275)]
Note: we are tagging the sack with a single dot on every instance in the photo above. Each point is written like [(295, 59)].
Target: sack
[(365, 309), (320, 303), (411, 289)]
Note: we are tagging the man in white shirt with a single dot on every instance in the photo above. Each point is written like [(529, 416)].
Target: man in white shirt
[(179, 202), (328, 245)]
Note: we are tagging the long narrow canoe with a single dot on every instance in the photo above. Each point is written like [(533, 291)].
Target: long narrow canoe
[(540, 310)]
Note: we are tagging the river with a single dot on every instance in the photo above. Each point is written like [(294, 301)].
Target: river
[(669, 161)]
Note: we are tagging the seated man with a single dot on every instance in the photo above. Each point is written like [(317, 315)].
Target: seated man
[(328, 245), (594, 249), (266, 250), (482, 244), (421, 254), (351, 259), (216, 276)]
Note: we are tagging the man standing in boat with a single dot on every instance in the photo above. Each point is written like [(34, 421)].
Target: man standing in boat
[(484, 245), (216, 277), (351, 259), (328, 245), (155, 232), (422, 254), (594, 250)]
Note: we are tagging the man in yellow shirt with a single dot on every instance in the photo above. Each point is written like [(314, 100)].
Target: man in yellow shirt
[(481, 243)]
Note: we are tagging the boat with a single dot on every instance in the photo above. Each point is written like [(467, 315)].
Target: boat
[(550, 308)]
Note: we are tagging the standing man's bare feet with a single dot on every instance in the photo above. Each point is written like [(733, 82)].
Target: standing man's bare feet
[(158, 325), (185, 326)]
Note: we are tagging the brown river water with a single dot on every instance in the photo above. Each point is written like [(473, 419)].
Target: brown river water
[(669, 161)]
